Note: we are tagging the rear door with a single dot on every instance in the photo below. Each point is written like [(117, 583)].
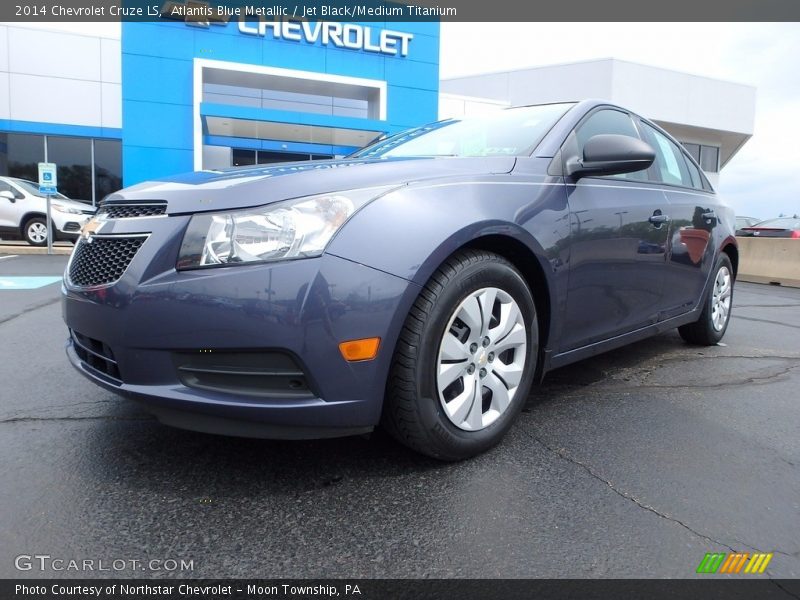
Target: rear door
[(618, 243), (693, 213)]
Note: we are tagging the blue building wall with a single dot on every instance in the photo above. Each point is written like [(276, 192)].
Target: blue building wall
[(157, 85)]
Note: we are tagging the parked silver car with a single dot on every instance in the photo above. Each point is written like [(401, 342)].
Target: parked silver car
[(23, 213)]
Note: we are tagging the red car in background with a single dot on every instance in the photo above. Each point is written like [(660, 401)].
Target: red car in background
[(782, 227)]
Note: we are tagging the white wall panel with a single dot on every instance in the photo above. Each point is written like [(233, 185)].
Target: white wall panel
[(53, 54), (3, 48), (560, 83), (112, 105), (677, 97), (111, 61), (491, 85), (53, 100), (5, 113)]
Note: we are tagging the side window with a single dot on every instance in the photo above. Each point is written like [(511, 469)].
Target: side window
[(609, 121), (670, 163), (7, 187), (694, 172)]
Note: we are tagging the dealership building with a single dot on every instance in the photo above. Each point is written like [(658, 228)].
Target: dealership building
[(177, 96)]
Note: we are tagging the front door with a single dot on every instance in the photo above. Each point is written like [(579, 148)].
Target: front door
[(618, 244)]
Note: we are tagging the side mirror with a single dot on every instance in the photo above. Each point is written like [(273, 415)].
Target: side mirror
[(8, 196), (611, 154)]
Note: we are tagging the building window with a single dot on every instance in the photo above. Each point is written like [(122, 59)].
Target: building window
[(20, 155), (265, 157), (709, 158), (693, 150), (74, 159), (242, 157), (288, 92), (287, 100), (705, 156), (107, 168)]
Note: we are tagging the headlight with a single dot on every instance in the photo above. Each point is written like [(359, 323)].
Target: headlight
[(66, 209), (293, 229)]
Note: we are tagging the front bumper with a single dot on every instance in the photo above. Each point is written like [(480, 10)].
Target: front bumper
[(303, 308), (68, 226)]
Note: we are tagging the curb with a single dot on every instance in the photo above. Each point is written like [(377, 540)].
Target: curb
[(57, 250)]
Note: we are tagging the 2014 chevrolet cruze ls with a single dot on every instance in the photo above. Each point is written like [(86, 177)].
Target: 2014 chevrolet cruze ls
[(423, 283)]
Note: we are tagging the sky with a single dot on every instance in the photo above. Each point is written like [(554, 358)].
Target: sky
[(762, 180)]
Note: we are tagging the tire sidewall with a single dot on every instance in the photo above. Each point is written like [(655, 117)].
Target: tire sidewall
[(716, 336), (450, 438)]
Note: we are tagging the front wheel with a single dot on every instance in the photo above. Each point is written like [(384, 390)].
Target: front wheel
[(465, 358), (35, 231), (713, 322)]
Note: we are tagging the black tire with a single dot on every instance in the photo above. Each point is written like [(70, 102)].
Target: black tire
[(26, 231), (702, 332), (413, 413)]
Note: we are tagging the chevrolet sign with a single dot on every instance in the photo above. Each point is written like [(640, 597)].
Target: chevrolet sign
[(341, 35)]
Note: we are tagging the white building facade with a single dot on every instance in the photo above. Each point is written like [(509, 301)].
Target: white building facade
[(712, 118)]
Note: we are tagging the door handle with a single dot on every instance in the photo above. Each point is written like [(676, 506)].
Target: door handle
[(658, 219)]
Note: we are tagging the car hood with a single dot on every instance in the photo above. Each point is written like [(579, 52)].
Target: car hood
[(254, 186)]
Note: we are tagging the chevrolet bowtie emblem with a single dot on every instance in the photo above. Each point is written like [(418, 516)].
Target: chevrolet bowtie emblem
[(91, 227)]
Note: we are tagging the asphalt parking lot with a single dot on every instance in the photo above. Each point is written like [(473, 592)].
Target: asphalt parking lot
[(632, 464)]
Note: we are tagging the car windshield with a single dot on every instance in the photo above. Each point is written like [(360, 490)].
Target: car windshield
[(511, 132), (33, 189), (781, 223)]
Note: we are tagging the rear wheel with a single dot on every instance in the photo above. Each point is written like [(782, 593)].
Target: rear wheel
[(35, 231), (713, 322), (465, 359)]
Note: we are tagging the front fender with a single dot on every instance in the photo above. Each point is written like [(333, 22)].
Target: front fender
[(410, 231)]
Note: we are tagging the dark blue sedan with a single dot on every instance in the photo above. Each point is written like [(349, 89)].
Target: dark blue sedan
[(423, 283)]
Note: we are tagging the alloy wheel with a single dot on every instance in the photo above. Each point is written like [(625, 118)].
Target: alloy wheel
[(37, 232)]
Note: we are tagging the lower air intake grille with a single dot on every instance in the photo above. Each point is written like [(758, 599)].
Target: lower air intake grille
[(127, 211), (102, 260), (96, 355), (268, 374)]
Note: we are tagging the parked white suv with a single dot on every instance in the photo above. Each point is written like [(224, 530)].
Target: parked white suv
[(23, 213)]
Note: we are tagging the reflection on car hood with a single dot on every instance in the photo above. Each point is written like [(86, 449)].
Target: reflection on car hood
[(263, 184), (82, 206)]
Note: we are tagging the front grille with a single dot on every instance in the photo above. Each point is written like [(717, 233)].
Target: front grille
[(269, 374), (127, 211), (102, 260), (96, 355)]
